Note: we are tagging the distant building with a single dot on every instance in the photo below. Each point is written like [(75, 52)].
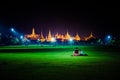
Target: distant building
[(49, 37), (77, 37), (57, 36), (33, 36), (89, 37), (60, 37), (67, 36), (42, 39)]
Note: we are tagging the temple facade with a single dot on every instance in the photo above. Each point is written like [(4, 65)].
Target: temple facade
[(67, 36)]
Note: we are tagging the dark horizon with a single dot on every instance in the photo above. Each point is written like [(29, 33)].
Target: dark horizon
[(59, 18)]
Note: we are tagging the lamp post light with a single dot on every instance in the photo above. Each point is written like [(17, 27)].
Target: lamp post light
[(71, 41), (108, 39), (12, 29)]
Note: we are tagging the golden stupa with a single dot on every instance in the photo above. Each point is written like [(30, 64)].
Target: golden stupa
[(77, 38), (62, 37), (49, 37), (42, 39), (67, 36), (32, 36), (89, 37)]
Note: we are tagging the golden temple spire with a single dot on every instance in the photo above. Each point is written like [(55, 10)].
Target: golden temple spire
[(41, 36), (89, 37), (49, 36), (77, 38), (42, 39), (32, 36), (33, 31), (67, 36)]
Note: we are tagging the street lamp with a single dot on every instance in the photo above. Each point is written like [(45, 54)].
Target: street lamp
[(12, 29)]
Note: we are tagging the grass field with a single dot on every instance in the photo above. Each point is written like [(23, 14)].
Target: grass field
[(56, 63)]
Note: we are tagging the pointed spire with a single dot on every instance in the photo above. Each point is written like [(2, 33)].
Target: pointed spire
[(67, 36), (33, 36), (77, 38), (42, 39), (41, 35), (49, 36), (91, 35), (33, 31)]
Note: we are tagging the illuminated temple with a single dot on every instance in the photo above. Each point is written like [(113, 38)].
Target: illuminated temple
[(77, 38), (49, 37), (67, 36), (42, 39), (89, 37), (33, 36)]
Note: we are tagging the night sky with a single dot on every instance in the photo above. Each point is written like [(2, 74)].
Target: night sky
[(97, 18)]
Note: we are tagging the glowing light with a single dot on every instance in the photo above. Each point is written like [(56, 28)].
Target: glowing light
[(70, 39), (67, 36), (49, 37), (108, 39), (21, 37), (12, 29), (53, 39), (108, 36), (89, 37), (77, 38), (32, 36), (42, 39)]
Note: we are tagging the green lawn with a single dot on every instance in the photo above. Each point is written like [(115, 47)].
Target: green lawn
[(56, 63)]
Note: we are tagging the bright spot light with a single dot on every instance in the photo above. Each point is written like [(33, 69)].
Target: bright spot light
[(53, 39), (108, 36), (21, 37), (12, 29), (70, 39)]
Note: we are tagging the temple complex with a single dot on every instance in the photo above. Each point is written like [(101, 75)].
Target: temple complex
[(57, 36)]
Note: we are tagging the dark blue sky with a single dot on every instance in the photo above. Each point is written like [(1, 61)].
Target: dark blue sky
[(97, 18)]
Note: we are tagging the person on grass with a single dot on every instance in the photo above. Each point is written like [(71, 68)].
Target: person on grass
[(82, 53), (76, 52)]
